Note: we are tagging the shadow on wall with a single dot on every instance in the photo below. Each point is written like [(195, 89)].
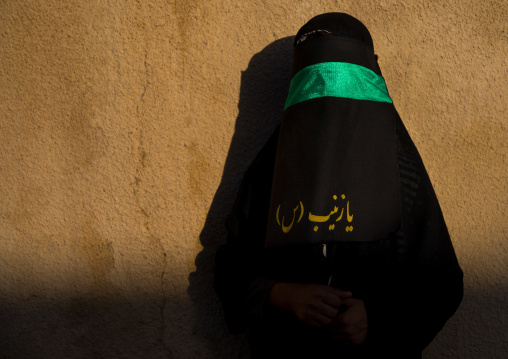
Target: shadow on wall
[(263, 91), (113, 327), (108, 326)]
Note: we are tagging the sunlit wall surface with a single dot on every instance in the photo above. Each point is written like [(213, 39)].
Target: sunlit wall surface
[(125, 128)]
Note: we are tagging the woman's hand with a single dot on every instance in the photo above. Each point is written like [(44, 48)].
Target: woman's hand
[(313, 304), (350, 325)]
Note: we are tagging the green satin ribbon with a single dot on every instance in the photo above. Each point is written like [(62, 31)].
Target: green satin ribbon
[(337, 79)]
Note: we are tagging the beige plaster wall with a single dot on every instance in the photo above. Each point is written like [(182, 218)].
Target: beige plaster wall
[(125, 127)]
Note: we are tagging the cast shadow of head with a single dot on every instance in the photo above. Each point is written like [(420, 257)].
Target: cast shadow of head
[(263, 91)]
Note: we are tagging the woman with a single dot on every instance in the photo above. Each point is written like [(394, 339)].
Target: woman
[(337, 245)]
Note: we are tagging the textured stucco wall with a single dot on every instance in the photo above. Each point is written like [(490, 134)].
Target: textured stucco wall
[(125, 127)]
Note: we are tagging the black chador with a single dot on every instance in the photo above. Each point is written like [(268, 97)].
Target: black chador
[(339, 196)]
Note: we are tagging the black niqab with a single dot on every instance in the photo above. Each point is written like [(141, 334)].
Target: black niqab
[(336, 176)]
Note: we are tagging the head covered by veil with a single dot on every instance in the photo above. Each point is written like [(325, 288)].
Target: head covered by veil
[(336, 175)]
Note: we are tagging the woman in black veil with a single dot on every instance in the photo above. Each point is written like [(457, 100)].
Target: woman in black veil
[(337, 246)]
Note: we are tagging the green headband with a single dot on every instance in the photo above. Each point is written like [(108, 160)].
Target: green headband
[(337, 79)]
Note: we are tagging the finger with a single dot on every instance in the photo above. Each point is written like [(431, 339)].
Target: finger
[(349, 302), (341, 330), (322, 319), (353, 315), (326, 310), (331, 299), (358, 338), (335, 297), (348, 323), (343, 319), (348, 326), (341, 293), (334, 322)]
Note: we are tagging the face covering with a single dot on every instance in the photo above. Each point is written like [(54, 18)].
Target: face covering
[(336, 175)]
